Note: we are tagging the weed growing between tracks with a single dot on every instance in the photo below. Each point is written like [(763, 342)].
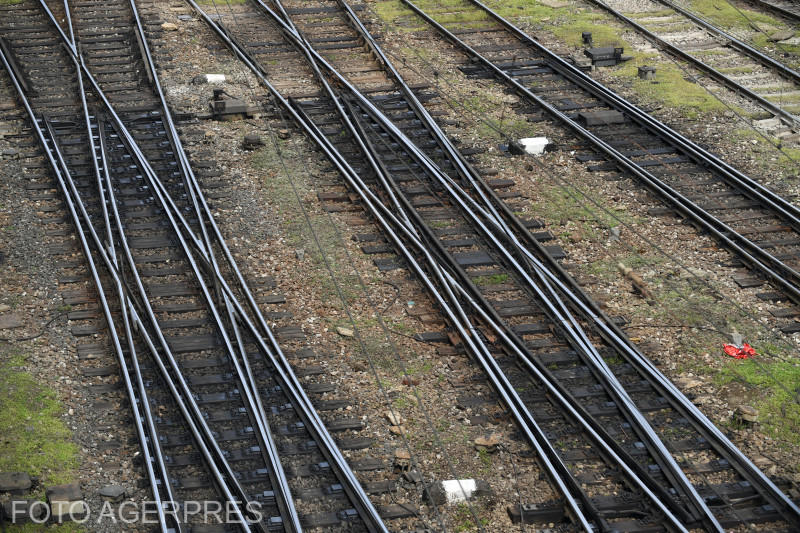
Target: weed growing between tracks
[(692, 313), (566, 24), (770, 159), (558, 206), (671, 87), (279, 189)]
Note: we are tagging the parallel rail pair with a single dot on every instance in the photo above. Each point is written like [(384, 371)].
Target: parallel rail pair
[(382, 165), (134, 178)]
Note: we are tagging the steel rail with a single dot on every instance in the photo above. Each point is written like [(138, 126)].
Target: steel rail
[(126, 321), (299, 40), (556, 469), (736, 43), (551, 267), (176, 367), (275, 355), (257, 412), (508, 394), (479, 185), (429, 241), (192, 416), (158, 453), (789, 509), (375, 205), (64, 177), (754, 255), (195, 411), (99, 178), (701, 423), (595, 361), (576, 337), (353, 488), (754, 189), (790, 118), (618, 389), (650, 437), (769, 6), (143, 435)]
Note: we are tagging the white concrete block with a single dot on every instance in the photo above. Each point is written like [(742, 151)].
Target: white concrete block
[(534, 145)]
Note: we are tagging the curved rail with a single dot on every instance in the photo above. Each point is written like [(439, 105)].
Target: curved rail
[(789, 509), (136, 393), (444, 272), (200, 255), (779, 273)]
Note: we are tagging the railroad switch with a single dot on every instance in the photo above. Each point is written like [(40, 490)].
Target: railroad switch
[(226, 107), (607, 56)]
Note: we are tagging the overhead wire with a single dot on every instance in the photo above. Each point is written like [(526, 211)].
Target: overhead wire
[(365, 351), (571, 189)]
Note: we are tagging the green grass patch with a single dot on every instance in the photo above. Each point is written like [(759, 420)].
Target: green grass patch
[(651, 14), (34, 438), (495, 279), (670, 86), (568, 23), (761, 41), (397, 16), (722, 13), (776, 394)]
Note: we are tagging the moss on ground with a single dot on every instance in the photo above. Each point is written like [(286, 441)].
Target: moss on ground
[(787, 160), (567, 24), (608, 268), (221, 4), (34, 438), (561, 205), (727, 16), (494, 279), (671, 86), (762, 41)]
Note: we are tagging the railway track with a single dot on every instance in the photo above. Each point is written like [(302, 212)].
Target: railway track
[(784, 8), (622, 446), (625, 449), (220, 413), (759, 226), (730, 61)]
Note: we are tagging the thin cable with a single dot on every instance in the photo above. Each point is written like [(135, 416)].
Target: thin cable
[(346, 308), (795, 397)]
